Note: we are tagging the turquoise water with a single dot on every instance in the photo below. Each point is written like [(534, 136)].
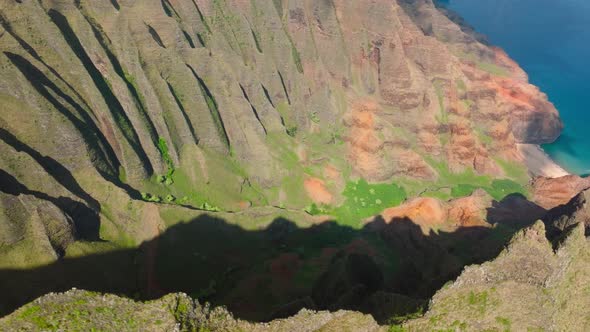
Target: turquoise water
[(550, 39)]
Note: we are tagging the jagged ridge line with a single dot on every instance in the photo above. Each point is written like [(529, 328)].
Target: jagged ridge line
[(212, 105), (253, 108), (183, 112), (105, 43), (88, 130), (87, 115), (201, 16), (117, 110)]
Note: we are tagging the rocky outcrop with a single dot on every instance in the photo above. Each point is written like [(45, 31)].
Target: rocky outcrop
[(33, 231), (532, 284), (430, 213), (563, 217), (529, 286), (550, 193), (82, 310)]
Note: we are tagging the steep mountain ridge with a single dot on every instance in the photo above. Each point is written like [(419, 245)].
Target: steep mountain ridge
[(530, 285), (130, 129), (222, 104)]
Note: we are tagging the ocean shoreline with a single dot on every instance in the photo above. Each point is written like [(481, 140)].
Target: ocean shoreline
[(538, 161)]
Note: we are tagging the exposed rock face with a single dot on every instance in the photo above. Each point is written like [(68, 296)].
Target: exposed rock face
[(174, 312), (469, 211), (426, 212), (430, 213), (550, 193), (563, 217), (529, 286)]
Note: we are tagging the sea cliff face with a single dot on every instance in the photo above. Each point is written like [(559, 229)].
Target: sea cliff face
[(202, 146)]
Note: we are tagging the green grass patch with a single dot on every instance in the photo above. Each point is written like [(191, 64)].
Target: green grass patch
[(493, 68), (486, 66), (461, 184), (505, 322), (503, 187), (164, 152), (514, 170), (462, 190), (83, 248), (363, 200), (442, 194), (479, 300), (287, 117)]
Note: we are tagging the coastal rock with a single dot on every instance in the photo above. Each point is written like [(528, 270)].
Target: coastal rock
[(561, 218), (552, 192)]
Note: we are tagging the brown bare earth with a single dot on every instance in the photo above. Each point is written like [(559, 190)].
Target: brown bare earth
[(317, 191), (426, 212)]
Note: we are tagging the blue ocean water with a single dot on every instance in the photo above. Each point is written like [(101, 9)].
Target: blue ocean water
[(550, 39)]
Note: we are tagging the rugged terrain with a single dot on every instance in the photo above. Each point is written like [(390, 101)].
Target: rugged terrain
[(263, 155), (533, 285)]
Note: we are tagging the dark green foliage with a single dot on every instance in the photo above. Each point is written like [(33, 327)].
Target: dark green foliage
[(315, 210), (151, 198), (292, 131), (297, 59), (163, 148), (462, 190)]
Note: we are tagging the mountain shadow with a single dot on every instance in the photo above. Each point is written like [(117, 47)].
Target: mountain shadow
[(387, 268)]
